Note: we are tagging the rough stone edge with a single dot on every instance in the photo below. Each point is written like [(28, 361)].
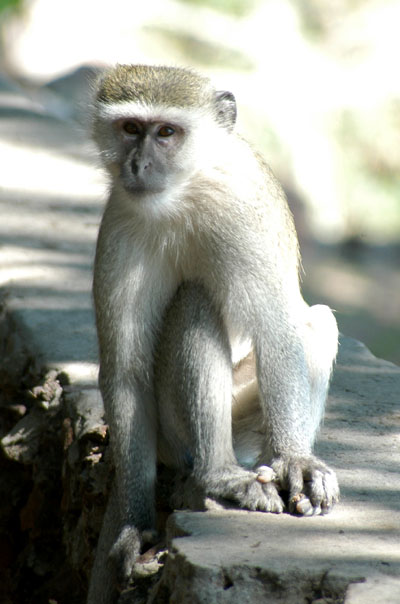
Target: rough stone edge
[(17, 359), (189, 583), (77, 408)]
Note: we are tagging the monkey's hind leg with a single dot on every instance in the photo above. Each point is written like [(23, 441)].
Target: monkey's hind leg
[(193, 385)]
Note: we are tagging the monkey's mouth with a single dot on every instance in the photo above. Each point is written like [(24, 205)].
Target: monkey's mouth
[(138, 187)]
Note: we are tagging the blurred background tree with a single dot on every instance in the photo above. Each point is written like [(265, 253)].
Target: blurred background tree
[(9, 4), (318, 93)]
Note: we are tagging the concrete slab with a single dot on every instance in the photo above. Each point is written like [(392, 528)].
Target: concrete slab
[(51, 196)]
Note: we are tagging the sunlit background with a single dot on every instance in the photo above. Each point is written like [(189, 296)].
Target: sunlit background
[(318, 89)]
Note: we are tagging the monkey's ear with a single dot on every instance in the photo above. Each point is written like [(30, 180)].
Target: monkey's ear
[(226, 109)]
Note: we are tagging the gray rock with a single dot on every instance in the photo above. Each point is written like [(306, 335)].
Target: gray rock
[(22, 443)]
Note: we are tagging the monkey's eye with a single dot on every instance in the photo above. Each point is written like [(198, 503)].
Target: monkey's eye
[(165, 131), (131, 128)]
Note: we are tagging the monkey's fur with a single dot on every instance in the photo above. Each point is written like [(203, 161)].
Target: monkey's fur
[(196, 279)]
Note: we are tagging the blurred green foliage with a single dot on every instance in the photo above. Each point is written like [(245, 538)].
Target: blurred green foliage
[(202, 52), (317, 16), (10, 5), (370, 163), (239, 8)]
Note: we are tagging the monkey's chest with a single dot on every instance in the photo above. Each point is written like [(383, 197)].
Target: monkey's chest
[(205, 260)]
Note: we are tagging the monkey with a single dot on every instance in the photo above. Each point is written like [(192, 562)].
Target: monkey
[(211, 362)]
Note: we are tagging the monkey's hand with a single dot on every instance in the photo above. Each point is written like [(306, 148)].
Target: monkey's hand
[(248, 490), (311, 485), (126, 550)]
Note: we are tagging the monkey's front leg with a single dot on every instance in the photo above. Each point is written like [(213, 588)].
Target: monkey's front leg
[(293, 398), (193, 383), (126, 349), (130, 518)]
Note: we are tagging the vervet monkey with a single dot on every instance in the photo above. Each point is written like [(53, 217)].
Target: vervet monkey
[(197, 276)]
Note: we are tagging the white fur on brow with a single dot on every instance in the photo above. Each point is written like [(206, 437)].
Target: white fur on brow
[(156, 112)]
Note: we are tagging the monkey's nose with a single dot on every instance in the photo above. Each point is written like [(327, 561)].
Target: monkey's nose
[(137, 167)]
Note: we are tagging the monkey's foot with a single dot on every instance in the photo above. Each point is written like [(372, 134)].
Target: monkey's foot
[(311, 485), (248, 490), (126, 551)]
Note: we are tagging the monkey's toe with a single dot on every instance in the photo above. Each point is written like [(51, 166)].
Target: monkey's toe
[(124, 553), (263, 497), (311, 485)]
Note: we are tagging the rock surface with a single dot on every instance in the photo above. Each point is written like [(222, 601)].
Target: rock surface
[(54, 466)]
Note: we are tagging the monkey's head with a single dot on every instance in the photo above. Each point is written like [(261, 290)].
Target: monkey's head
[(155, 125)]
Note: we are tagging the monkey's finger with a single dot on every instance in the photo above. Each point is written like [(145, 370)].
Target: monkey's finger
[(273, 502), (323, 490), (332, 492), (299, 502), (150, 553), (315, 488), (265, 474), (295, 479), (301, 505)]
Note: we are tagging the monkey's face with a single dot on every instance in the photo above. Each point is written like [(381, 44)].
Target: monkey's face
[(147, 152), (150, 154)]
